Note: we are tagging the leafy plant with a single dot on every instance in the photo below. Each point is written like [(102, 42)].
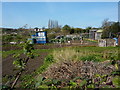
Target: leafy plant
[(43, 87), (47, 82), (116, 81), (20, 63), (73, 84), (116, 73), (91, 86)]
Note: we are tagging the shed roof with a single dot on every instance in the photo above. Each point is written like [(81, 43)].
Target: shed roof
[(93, 30), (100, 30)]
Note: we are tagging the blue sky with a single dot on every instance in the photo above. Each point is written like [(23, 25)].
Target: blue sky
[(75, 14)]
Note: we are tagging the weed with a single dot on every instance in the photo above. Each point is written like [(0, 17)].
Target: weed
[(116, 81), (27, 81), (90, 58), (49, 59)]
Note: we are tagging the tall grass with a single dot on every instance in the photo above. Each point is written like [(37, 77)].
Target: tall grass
[(63, 55), (86, 53)]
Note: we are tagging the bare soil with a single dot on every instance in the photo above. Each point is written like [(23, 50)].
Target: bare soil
[(50, 46), (32, 65), (7, 63)]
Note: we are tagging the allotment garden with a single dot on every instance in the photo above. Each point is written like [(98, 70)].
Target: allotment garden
[(60, 66)]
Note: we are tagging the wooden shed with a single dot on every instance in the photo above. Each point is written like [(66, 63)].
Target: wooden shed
[(106, 42)]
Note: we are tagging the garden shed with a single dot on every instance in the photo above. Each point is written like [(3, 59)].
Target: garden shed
[(40, 37), (95, 34), (106, 42)]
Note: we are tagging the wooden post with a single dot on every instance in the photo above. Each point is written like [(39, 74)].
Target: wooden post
[(119, 40)]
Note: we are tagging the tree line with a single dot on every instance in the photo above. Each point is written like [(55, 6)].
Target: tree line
[(110, 29)]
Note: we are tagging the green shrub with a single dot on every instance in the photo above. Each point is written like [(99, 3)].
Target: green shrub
[(73, 84), (49, 59)]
